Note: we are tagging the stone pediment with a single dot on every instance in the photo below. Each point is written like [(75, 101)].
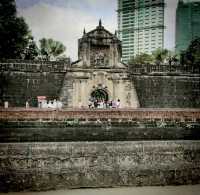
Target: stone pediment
[(100, 33), (99, 49)]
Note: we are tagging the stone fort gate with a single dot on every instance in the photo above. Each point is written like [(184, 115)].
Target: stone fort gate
[(98, 72)]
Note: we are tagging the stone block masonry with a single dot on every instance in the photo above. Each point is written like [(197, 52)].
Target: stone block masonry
[(101, 125), (22, 81), (50, 150), (168, 91), (50, 166), (18, 114)]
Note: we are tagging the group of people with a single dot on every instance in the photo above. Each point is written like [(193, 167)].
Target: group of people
[(55, 104), (102, 104)]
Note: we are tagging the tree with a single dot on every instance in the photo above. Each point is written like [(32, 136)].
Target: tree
[(4, 82), (13, 31), (192, 54), (51, 49), (160, 55), (172, 58), (31, 52), (142, 58)]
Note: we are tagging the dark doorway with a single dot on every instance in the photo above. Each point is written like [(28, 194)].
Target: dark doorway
[(100, 94)]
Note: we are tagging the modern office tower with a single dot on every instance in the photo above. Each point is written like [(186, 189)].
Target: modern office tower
[(140, 26), (187, 23)]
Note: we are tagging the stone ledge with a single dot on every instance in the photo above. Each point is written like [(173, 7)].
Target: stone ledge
[(188, 115), (59, 131)]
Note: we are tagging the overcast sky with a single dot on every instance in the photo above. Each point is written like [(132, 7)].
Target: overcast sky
[(64, 20)]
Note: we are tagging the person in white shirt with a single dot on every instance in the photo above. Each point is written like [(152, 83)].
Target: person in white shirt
[(54, 105), (44, 104), (49, 105), (118, 103), (59, 105), (27, 104), (101, 104)]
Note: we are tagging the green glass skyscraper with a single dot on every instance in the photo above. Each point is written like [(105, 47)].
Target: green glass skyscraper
[(187, 23), (140, 26)]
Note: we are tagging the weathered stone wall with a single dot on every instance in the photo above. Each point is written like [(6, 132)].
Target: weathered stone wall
[(47, 150), (81, 130), (114, 82), (167, 68), (49, 166), (168, 91), (148, 114), (25, 81), (110, 125), (20, 82)]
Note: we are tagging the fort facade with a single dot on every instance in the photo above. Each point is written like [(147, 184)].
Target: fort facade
[(152, 140), (99, 71)]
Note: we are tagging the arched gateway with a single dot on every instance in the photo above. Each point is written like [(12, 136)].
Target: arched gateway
[(98, 73), (100, 94)]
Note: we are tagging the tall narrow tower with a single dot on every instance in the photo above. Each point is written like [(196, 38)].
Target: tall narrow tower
[(187, 23), (140, 26)]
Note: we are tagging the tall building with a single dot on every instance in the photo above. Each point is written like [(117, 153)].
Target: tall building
[(140, 26), (187, 23)]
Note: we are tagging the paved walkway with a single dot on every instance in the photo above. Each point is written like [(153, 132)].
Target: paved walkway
[(169, 190)]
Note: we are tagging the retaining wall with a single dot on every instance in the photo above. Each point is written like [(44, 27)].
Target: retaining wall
[(49, 166), (22, 81), (168, 91), (100, 125)]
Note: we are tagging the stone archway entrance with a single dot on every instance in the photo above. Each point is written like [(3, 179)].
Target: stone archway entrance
[(100, 94), (99, 75)]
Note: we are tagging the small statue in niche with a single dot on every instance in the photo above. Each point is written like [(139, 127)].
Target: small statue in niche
[(99, 58)]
